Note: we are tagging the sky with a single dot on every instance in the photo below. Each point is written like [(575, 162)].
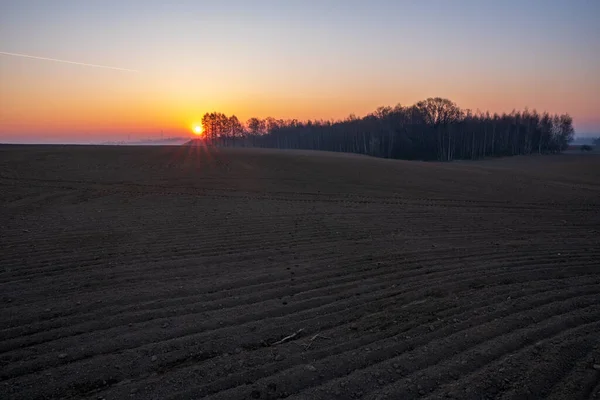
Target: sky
[(172, 61)]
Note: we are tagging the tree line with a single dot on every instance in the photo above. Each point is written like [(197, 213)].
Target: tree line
[(432, 129)]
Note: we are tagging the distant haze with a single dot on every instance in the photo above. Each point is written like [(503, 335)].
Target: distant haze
[(129, 70)]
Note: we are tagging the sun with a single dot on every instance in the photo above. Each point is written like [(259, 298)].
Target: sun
[(197, 129)]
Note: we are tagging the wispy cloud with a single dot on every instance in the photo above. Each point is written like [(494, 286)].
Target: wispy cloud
[(68, 62)]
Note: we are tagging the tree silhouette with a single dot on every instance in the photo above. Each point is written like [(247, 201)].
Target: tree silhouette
[(432, 129)]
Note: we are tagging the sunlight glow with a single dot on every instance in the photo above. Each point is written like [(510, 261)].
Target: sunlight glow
[(197, 129)]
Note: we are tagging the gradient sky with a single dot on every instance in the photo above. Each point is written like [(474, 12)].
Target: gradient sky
[(286, 59)]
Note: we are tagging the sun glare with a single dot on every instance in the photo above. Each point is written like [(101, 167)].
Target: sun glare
[(197, 129)]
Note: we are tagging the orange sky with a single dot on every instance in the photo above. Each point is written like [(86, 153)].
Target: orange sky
[(290, 63)]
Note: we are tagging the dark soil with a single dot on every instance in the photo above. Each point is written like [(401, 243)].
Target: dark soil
[(172, 272)]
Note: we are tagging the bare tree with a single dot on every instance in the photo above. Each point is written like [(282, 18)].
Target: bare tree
[(432, 129)]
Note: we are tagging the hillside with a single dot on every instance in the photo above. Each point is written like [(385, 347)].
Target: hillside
[(191, 272)]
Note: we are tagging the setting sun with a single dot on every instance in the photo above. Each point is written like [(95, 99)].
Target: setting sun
[(197, 129)]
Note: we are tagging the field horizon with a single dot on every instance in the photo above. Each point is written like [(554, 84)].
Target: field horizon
[(304, 200)]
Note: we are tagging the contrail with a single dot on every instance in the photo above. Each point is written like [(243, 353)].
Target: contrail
[(68, 62)]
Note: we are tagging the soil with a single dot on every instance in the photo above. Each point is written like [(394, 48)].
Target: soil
[(186, 272)]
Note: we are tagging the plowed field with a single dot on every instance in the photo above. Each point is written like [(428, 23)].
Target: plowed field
[(183, 272)]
